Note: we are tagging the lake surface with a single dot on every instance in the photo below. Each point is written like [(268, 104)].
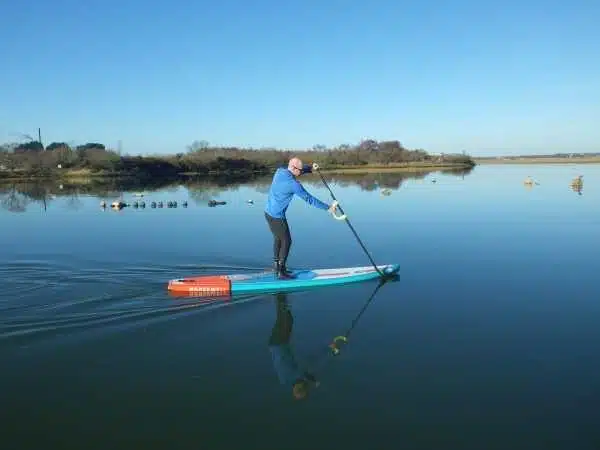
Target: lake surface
[(490, 339)]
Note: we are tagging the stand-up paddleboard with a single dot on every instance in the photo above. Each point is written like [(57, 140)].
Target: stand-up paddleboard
[(218, 285)]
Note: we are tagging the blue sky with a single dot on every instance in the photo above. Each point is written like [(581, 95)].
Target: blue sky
[(484, 77)]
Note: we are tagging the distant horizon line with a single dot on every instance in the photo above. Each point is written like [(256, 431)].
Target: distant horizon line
[(460, 152)]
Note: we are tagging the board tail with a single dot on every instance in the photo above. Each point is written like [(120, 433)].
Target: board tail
[(214, 285)]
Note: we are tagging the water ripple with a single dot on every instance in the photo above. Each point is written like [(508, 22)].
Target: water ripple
[(42, 300)]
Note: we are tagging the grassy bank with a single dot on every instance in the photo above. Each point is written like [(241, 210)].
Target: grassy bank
[(417, 166), (80, 175)]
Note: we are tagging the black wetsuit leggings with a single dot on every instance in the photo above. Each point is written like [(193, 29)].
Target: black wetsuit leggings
[(282, 239)]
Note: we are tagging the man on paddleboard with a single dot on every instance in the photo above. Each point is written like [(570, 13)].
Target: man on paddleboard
[(283, 188)]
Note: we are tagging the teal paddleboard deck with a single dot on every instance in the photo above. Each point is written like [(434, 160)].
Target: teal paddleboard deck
[(245, 283)]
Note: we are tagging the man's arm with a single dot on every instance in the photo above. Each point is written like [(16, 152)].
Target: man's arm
[(312, 201)]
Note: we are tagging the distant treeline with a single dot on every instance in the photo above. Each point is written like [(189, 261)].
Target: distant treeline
[(201, 158)]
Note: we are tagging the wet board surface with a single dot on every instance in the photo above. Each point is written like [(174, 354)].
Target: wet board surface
[(227, 284)]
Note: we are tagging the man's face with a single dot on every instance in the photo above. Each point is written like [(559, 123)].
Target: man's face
[(297, 168)]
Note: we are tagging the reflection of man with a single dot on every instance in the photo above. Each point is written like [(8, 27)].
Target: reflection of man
[(287, 368)]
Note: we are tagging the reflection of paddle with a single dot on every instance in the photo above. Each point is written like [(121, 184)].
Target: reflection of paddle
[(343, 339), (334, 347)]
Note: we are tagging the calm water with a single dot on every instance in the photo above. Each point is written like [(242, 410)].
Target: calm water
[(489, 340)]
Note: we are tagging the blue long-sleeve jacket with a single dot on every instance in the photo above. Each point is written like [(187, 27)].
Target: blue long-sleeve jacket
[(283, 188)]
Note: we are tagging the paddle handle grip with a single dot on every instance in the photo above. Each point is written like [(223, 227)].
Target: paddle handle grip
[(342, 216)]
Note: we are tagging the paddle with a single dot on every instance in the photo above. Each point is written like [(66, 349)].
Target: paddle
[(344, 217)]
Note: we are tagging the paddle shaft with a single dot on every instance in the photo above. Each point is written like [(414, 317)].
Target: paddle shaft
[(350, 225)]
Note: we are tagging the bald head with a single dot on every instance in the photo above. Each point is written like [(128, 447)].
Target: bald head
[(295, 166), (295, 163)]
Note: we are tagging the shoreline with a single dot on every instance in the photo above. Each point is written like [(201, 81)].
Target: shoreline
[(537, 160), (393, 169), (86, 174)]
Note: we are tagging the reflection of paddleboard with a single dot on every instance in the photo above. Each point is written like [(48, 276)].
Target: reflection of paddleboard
[(211, 285)]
